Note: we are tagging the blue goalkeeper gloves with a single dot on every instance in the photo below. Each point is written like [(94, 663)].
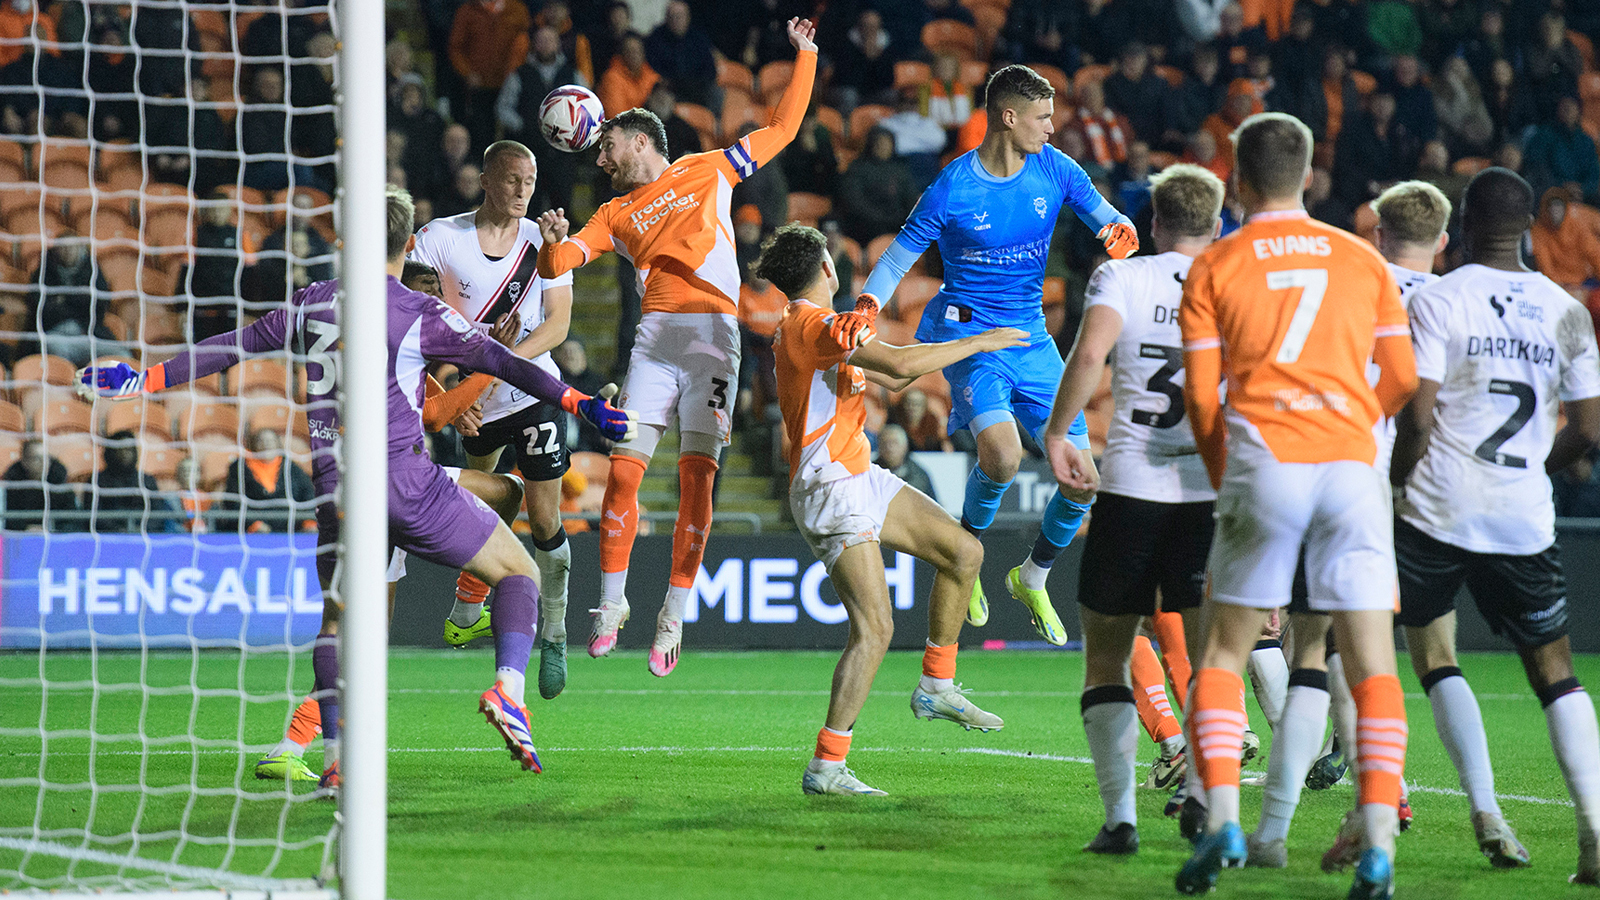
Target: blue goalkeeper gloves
[(617, 425), (118, 381)]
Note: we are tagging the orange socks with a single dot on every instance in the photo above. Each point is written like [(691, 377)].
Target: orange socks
[(470, 589), (1380, 739), (306, 723), (1149, 692), (619, 521), (696, 476), (1216, 726), (831, 745), (939, 662), (1168, 627)]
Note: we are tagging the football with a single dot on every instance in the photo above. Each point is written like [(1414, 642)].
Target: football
[(570, 118)]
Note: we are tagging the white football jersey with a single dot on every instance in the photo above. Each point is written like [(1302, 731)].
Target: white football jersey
[(1150, 451), (1507, 348), (484, 289), (1410, 282)]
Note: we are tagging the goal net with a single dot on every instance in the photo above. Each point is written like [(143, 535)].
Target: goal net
[(168, 172)]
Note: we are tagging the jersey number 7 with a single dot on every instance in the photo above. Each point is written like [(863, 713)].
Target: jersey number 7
[(1313, 284)]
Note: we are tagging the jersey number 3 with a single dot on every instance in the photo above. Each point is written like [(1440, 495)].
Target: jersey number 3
[(1313, 284), (1161, 383)]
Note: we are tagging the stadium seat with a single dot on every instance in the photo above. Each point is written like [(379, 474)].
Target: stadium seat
[(120, 266), (63, 151), (1585, 48), (909, 73), (15, 154), (773, 78), (77, 453), (1171, 74), (990, 21), (1364, 82), (11, 418), (276, 417), (19, 197), (807, 208), (703, 120), (10, 449), (68, 186), (852, 250), (12, 174), (156, 280), (1084, 75), (35, 224), (1058, 80), (42, 369), (896, 332), (214, 465), (735, 75), (1589, 86), (595, 466), (875, 248), (115, 325), (161, 328), (109, 228), (738, 110), (949, 36), (32, 397), (262, 376), (313, 205), (863, 117), (912, 295), (218, 418), (1055, 291), (159, 459), (61, 413), (974, 72), (147, 417)]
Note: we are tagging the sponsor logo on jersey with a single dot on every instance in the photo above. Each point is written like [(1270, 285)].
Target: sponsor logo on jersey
[(1040, 206), (642, 219), (457, 322), (982, 224)]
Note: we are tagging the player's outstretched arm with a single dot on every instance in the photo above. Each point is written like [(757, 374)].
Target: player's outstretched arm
[(121, 381), (765, 143), (1413, 427), (1110, 227), (1085, 365), (560, 253), (1581, 433), (902, 365)]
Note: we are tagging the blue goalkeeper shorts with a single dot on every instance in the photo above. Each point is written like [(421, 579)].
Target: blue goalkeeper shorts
[(1017, 384)]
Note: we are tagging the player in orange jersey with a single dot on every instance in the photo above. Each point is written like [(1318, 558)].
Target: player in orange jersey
[(672, 221), (846, 507), (1291, 454)]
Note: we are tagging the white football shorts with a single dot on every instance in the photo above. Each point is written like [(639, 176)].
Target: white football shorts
[(685, 369), (836, 515)]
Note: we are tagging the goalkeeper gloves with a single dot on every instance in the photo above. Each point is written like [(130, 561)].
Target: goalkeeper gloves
[(617, 425), (852, 329), (1120, 239), (118, 381)]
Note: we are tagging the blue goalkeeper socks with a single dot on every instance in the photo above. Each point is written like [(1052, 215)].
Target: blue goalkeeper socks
[(1061, 520), (983, 500)]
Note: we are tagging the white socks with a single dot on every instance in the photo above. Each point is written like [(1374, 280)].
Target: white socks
[(1222, 806), (932, 685), (1033, 575), (677, 603), (1295, 745), (1112, 729), (512, 680), (1460, 726), (1269, 675), (288, 746), (1576, 739), (612, 585), (1382, 823), (554, 566), (465, 615)]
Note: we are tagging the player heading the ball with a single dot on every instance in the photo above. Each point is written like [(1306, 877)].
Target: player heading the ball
[(846, 506), (992, 212), (672, 221)]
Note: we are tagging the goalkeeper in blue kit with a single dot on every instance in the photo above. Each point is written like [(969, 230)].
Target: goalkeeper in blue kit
[(992, 212)]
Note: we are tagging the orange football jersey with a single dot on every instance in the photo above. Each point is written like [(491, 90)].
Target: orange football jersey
[(822, 398)]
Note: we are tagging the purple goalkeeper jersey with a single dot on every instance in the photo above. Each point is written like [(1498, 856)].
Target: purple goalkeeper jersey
[(421, 329)]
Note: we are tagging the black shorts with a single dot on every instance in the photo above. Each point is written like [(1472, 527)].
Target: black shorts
[(1299, 596), (1136, 546), (1523, 598), (537, 435)]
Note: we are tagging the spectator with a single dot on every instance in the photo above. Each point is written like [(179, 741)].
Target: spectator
[(1576, 489), (262, 126), (214, 278), (573, 362), (628, 81), (1105, 133), (1553, 66), (1509, 156), (1137, 93), (1342, 22), (1220, 125), (924, 425), (1104, 26), (606, 42), (1297, 62), (1204, 152), (292, 257), (1234, 46), (1040, 31), (424, 211), (574, 44), (1488, 45), (1393, 28), (311, 100), (111, 73), (767, 189), (761, 308), (1371, 154), (1133, 180), (1415, 120), (1340, 97), (875, 193), (1509, 103), (844, 265), (455, 147), (463, 194), (1434, 168), (1560, 152), (1445, 27), (270, 492), (424, 130), (918, 140), (681, 52), (545, 69), (1270, 16), (398, 65), (809, 163), (947, 100), (65, 303), (27, 497), (488, 39), (1320, 203), (119, 487), (864, 72), (1463, 116), (682, 139), (182, 131), (1071, 142), (755, 33), (1185, 107), (192, 499), (746, 238), (894, 449), (1566, 250)]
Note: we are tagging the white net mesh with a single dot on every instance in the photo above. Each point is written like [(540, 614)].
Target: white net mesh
[(165, 175)]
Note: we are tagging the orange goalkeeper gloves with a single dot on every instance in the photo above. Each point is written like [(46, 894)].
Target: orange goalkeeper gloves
[(1120, 239), (852, 329)]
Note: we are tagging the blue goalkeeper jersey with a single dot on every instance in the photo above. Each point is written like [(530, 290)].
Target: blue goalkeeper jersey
[(994, 237)]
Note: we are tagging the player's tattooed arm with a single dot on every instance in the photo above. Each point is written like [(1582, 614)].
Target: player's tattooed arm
[(1413, 427), (1580, 434), (896, 367)]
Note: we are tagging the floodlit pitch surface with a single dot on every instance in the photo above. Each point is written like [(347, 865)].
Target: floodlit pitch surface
[(690, 786)]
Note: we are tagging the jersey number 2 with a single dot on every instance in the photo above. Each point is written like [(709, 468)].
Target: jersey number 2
[(1313, 284), (1161, 383), (1489, 450)]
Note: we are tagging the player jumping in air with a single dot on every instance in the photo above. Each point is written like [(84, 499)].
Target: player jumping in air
[(992, 212), (672, 221), (1290, 453), (486, 260), (1500, 351), (429, 514), (845, 506), (1152, 524)]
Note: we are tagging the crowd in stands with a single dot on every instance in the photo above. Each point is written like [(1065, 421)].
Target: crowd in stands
[(182, 234)]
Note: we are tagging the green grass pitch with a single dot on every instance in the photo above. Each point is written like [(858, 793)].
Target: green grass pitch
[(688, 786)]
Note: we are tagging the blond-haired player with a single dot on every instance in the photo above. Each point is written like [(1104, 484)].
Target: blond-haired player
[(672, 221), (846, 506), (1151, 529), (1291, 453)]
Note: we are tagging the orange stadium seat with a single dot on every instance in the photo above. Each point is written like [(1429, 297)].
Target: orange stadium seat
[(115, 325), (145, 417), (42, 369), (10, 450), (863, 117), (807, 208), (12, 173), (15, 154), (1057, 78), (990, 21), (909, 73), (159, 459), (1084, 75), (214, 465), (912, 295), (156, 281), (77, 453), (974, 72), (875, 248), (949, 36), (735, 75), (773, 78), (212, 417), (596, 467), (738, 110), (11, 418), (61, 413), (703, 120), (1470, 165), (851, 250), (1364, 82), (262, 376), (276, 417), (1584, 46), (120, 266), (1171, 74), (17, 197)]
